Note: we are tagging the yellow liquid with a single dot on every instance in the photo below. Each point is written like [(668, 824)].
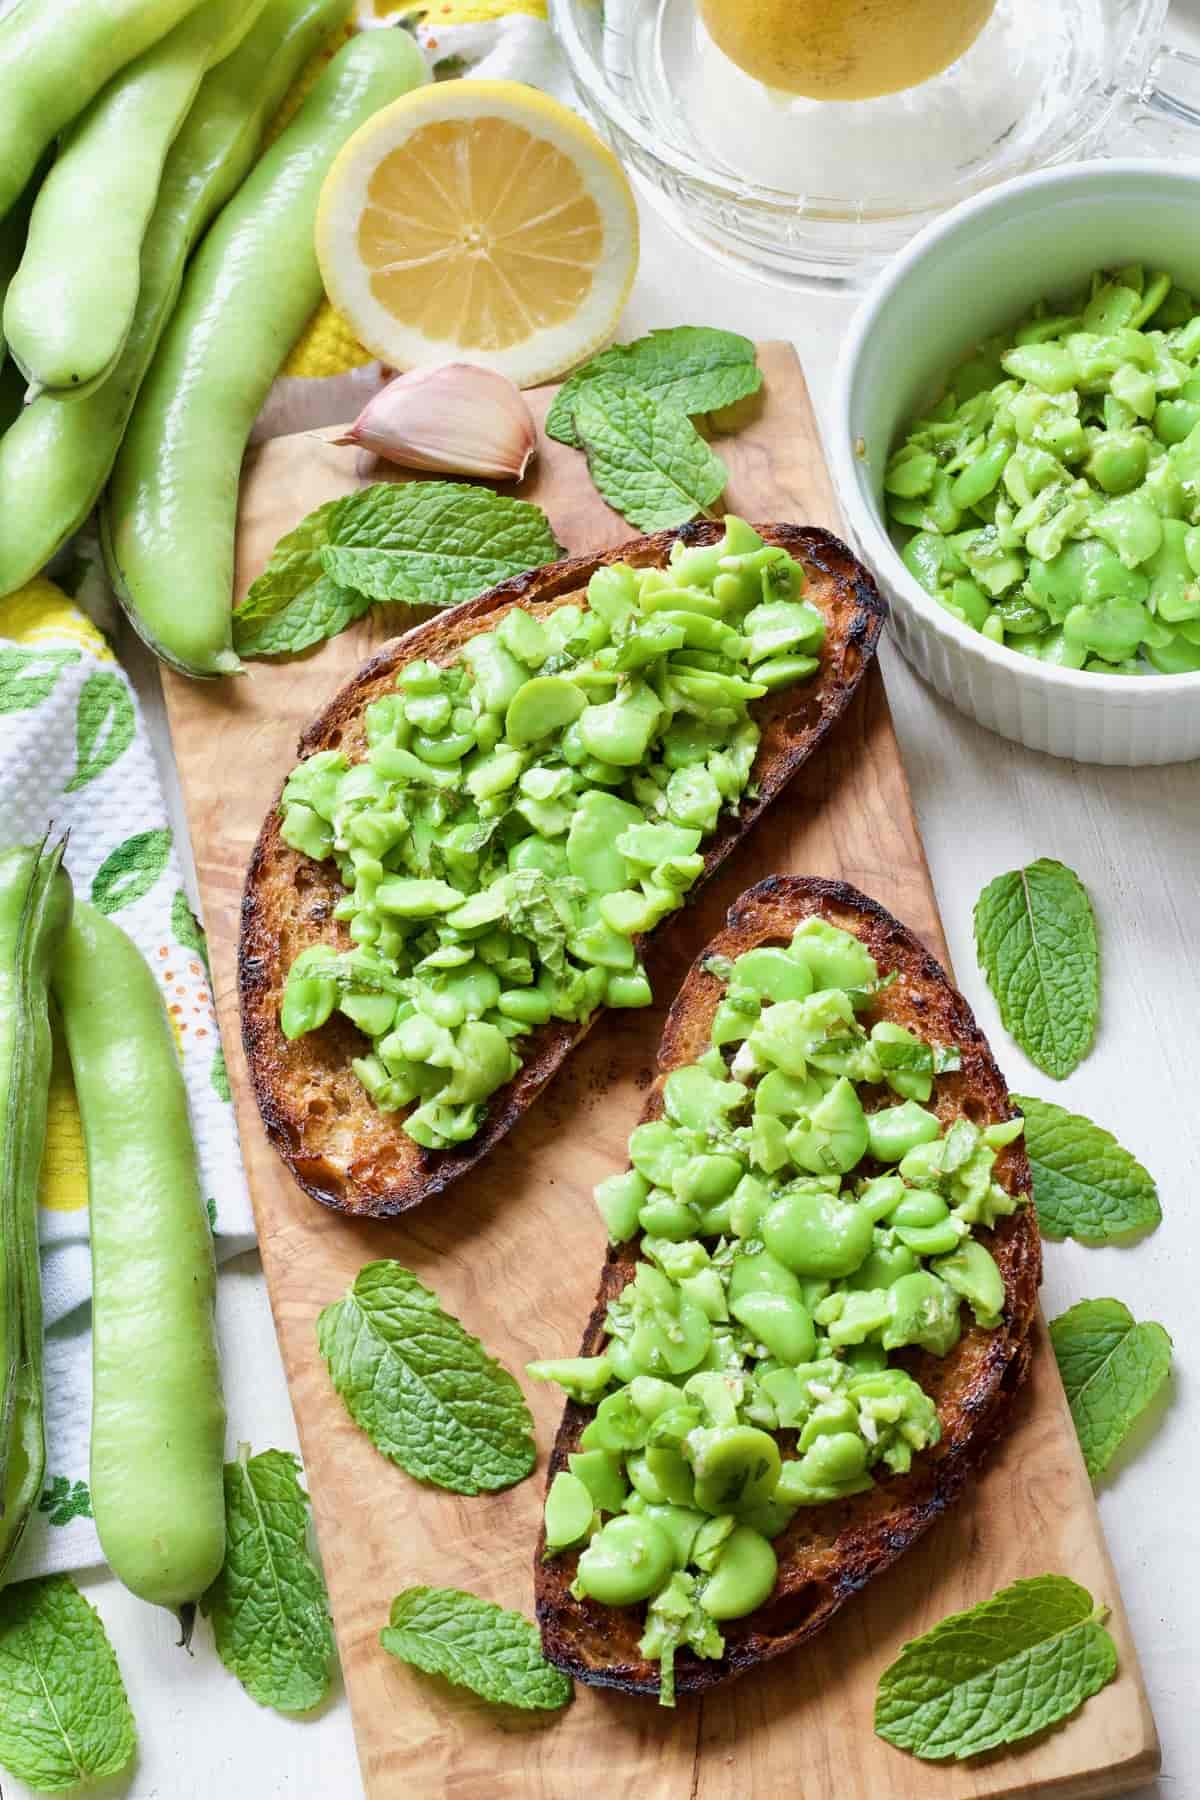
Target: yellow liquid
[(844, 49)]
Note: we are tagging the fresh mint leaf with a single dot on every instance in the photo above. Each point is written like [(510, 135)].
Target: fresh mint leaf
[(1019, 1662), (425, 1391), (434, 543), (64, 1713), (645, 456), (695, 368), (318, 612), (1111, 1368), (293, 571), (268, 1608), (495, 1653), (1035, 936), (1085, 1185)]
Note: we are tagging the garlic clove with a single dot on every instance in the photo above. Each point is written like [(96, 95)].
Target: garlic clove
[(457, 420)]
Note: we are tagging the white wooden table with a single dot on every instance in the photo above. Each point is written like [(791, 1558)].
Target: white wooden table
[(984, 806)]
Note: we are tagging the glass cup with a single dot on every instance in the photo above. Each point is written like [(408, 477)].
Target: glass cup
[(821, 191)]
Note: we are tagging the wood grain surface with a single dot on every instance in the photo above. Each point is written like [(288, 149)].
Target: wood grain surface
[(514, 1251)]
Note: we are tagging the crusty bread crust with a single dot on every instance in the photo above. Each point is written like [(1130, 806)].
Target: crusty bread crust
[(828, 1552), (338, 1145)]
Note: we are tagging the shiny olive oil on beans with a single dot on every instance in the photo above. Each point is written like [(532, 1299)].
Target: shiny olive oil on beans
[(525, 813), (778, 1275), (1051, 499), (251, 288), (158, 1418), (35, 906), (57, 455)]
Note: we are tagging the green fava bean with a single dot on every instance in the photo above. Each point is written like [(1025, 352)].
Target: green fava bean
[(699, 1101), (620, 1198), (895, 1130), (583, 1378), (923, 1311), (920, 1206), (629, 1559), (681, 1522), (785, 1096), (972, 1271), (664, 1216), (833, 1135), (883, 1267), (657, 1151), (592, 855), (772, 974), (602, 1474), (1131, 526), (818, 1234), (666, 1344), (661, 1476), (780, 1324), (568, 1512), (834, 1457), (525, 636), (619, 732), (704, 1180), (736, 1467), (761, 1273), (745, 1573), (835, 958), (542, 706)]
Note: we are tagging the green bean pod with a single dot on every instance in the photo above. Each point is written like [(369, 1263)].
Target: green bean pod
[(158, 1418), (55, 56), (35, 905), (14, 229), (71, 302), (56, 457), (171, 510)]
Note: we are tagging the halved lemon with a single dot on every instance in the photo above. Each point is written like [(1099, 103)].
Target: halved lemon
[(478, 221)]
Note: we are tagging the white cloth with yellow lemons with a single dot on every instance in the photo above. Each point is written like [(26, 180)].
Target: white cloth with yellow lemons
[(75, 756)]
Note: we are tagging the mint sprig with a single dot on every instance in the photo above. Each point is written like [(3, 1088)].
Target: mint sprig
[(422, 543), (268, 1608), (425, 1391), (1035, 936), (645, 456), (694, 368), (64, 1713), (1111, 1368), (1085, 1184), (495, 1653), (1012, 1666)]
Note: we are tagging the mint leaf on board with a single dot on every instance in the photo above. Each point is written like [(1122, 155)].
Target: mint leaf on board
[(1017, 1663), (425, 1391), (434, 543), (693, 367), (1085, 1184), (645, 456), (319, 611), (495, 1653), (1035, 936), (268, 1607), (64, 1713), (294, 569), (1111, 1368)]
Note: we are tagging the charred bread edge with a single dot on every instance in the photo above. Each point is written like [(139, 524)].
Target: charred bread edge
[(936, 1481), (549, 1046)]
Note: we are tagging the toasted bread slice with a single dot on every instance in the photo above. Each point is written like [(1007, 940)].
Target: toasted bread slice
[(828, 1552), (338, 1145)]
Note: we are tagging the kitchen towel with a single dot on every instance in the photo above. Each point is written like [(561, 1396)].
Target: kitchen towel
[(75, 757)]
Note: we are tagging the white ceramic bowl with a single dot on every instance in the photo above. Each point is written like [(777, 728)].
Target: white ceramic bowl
[(969, 274)]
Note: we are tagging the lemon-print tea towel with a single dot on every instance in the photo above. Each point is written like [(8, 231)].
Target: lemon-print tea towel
[(74, 755)]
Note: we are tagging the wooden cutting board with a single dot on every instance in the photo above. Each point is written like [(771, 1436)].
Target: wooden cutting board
[(514, 1251)]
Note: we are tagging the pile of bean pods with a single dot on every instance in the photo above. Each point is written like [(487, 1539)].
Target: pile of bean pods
[(158, 1418), (145, 365)]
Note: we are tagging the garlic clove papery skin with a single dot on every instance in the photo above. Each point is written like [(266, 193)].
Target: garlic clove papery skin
[(455, 420)]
